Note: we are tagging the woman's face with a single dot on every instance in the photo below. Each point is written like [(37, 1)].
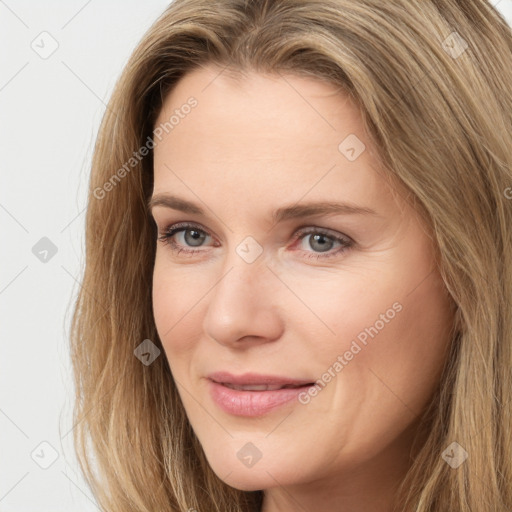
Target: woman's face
[(307, 267)]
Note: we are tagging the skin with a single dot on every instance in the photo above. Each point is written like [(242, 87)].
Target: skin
[(252, 145)]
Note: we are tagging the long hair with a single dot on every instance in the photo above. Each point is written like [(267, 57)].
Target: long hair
[(432, 81)]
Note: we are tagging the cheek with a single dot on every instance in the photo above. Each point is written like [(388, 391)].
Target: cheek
[(390, 332), (420, 344), (175, 306), (342, 309), (402, 321), (379, 373), (403, 341)]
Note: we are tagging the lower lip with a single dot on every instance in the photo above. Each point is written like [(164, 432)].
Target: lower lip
[(251, 403)]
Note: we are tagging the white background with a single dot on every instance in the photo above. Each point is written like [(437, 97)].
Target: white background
[(50, 110)]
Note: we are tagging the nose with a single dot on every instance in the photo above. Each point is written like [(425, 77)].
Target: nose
[(244, 307)]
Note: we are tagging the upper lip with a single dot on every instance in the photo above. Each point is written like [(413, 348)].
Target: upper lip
[(255, 379)]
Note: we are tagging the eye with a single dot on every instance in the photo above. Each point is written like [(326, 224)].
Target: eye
[(193, 235), (323, 241), (318, 239)]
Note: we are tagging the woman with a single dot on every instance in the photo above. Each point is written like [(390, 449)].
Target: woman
[(297, 286)]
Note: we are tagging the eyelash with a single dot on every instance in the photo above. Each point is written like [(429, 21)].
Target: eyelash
[(169, 232)]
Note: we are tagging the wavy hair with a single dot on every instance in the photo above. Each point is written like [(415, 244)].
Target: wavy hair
[(432, 81)]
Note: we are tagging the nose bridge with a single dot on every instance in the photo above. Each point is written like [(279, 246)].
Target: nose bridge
[(244, 274)]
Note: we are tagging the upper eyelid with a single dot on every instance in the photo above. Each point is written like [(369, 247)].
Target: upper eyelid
[(191, 225), (178, 226)]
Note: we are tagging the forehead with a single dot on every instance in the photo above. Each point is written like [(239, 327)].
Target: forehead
[(268, 137), (266, 105)]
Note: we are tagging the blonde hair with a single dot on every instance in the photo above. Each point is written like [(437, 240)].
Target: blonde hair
[(432, 80)]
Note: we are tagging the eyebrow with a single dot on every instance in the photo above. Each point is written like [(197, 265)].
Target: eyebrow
[(294, 211)]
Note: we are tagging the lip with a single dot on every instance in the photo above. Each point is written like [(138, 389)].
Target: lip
[(255, 379), (253, 403)]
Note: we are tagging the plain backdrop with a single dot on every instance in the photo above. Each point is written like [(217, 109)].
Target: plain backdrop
[(58, 65)]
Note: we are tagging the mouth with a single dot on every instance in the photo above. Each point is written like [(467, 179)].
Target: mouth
[(252, 395)]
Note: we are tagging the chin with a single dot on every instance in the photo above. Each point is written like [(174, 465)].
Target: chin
[(249, 483), (262, 475), (247, 480)]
